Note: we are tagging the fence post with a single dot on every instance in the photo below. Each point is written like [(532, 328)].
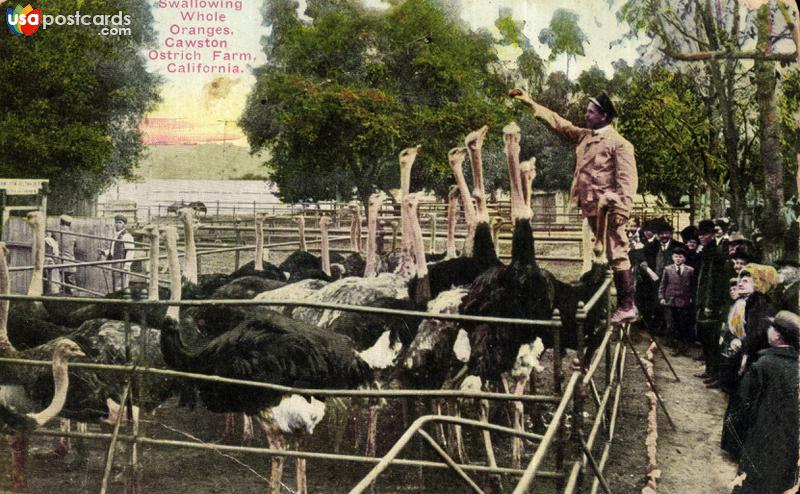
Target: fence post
[(238, 239), (433, 233), (217, 207), (577, 403)]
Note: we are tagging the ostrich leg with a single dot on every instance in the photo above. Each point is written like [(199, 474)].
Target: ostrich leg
[(277, 442), (301, 481), (487, 436), (372, 428), (437, 409), (247, 429), (516, 446), (461, 451), (62, 445), (230, 424), (19, 462)]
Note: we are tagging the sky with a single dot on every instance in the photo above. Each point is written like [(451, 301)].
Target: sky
[(199, 108)]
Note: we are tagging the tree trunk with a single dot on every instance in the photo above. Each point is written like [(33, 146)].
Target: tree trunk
[(769, 119)]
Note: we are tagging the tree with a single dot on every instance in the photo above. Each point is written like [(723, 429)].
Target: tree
[(563, 36), (694, 31), (74, 100), (341, 95)]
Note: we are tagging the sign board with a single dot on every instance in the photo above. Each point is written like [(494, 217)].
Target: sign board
[(21, 186)]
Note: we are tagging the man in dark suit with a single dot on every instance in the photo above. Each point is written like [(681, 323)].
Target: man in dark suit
[(710, 300), (675, 296)]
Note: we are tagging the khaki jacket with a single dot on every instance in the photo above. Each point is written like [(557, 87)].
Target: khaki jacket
[(605, 163)]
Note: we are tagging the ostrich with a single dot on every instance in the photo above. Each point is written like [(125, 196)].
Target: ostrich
[(257, 267), (276, 349), (406, 158), (16, 417), (519, 290), (355, 263), (452, 212)]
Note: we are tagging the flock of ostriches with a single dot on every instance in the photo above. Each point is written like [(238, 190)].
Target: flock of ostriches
[(295, 346)]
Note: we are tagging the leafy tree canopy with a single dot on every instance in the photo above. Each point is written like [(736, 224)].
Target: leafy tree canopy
[(73, 101), (342, 95)]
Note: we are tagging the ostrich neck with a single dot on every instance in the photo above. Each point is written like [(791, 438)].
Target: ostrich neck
[(452, 207), (372, 248), (418, 243), (355, 232), (155, 254), (478, 191), (61, 384), (518, 208), (190, 263), (258, 259), (5, 288), (466, 199), (302, 232), (326, 257), (36, 288), (171, 241)]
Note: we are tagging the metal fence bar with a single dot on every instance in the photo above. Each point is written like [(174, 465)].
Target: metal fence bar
[(452, 464), (531, 471), (313, 305), (363, 393), (285, 453)]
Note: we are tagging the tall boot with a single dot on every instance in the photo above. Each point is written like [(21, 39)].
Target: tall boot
[(626, 310)]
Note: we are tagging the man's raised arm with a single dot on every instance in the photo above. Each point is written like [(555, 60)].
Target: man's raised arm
[(551, 118)]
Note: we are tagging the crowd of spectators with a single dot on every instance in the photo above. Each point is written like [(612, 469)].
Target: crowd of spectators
[(712, 290)]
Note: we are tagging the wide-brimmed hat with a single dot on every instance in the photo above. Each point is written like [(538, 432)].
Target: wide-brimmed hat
[(764, 277)]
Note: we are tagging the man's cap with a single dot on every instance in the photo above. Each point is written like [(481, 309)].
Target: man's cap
[(66, 219), (121, 218), (604, 103), (705, 227), (680, 251), (723, 224), (690, 232), (787, 324), (661, 225)]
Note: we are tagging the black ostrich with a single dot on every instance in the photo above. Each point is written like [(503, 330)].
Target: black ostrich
[(519, 290), (273, 349)]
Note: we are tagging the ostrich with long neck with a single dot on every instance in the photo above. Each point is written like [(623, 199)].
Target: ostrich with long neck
[(355, 263), (452, 214), (275, 349), (375, 202), (519, 290), (474, 144), (190, 271), (456, 158), (452, 221), (324, 225), (406, 158)]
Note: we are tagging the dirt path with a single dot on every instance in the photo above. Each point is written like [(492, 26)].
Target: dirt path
[(690, 458)]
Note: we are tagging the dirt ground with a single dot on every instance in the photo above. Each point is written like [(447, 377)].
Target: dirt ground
[(689, 456)]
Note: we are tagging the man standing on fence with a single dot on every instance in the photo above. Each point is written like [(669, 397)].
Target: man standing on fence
[(605, 172), (121, 248), (67, 243)]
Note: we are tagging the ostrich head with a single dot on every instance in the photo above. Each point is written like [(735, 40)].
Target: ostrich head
[(512, 134), (527, 170), (407, 157), (456, 158), (475, 138), (66, 349)]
